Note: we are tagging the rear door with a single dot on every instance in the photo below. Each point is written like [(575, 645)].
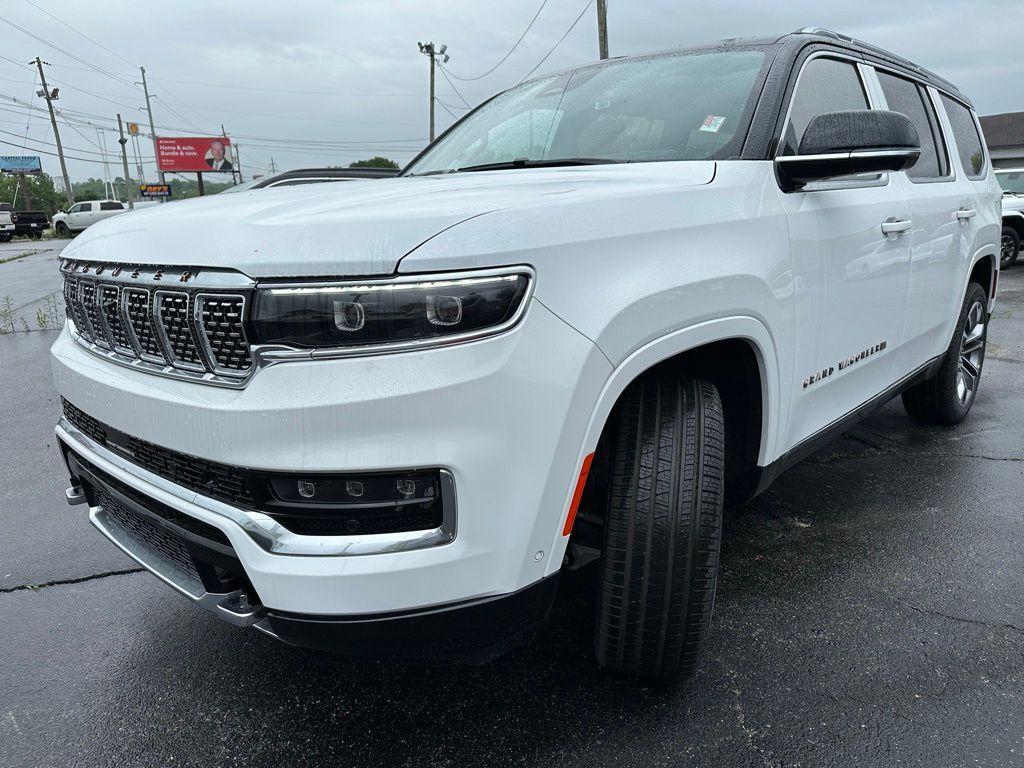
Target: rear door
[(851, 277), (934, 190)]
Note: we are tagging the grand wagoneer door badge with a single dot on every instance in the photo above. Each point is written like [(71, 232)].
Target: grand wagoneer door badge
[(842, 365)]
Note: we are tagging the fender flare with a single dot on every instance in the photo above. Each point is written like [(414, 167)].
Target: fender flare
[(742, 327), (988, 251)]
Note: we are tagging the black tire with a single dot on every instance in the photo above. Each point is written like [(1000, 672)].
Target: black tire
[(6, 238), (36, 235), (663, 529), (947, 397), (1009, 247), (62, 229)]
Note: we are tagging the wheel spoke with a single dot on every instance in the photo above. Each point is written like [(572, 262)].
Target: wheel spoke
[(970, 374)]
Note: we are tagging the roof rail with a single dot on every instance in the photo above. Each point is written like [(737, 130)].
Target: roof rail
[(823, 32)]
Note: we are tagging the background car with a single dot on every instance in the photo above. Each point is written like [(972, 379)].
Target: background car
[(82, 215), (1012, 182)]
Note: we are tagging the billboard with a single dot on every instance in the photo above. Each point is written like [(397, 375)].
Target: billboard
[(155, 190), (20, 164), (191, 154)]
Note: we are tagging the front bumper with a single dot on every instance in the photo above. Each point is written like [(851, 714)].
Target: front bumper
[(506, 416)]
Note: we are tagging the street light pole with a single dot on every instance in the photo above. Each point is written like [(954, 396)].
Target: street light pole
[(45, 93), (433, 53), (124, 162)]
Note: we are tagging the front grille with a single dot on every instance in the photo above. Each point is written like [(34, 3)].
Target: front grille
[(150, 534), (173, 311), (133, 316), (252, 489), (217, 481)]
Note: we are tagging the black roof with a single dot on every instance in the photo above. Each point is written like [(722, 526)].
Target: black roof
[(793, 42), (1005, 130)]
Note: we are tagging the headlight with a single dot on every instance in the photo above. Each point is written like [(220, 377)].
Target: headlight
[(408, 312)]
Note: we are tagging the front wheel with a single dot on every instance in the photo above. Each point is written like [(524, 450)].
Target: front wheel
[(62, 229), (663, 528), (1009, 247), (947, 397), (5, 237)]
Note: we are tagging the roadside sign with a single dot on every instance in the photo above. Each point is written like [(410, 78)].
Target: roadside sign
[(133, 129), (194, 153), (155, 190), (20, 164)]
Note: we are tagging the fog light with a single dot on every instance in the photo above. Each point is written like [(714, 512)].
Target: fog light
[(307, 490)]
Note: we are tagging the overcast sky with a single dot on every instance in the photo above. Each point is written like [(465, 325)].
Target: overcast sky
[(327, 82)]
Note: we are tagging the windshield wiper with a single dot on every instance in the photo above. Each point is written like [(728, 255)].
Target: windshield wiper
[(523, 162)]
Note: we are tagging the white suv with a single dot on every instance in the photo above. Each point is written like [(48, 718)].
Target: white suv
[(382, 418), (85, 214)]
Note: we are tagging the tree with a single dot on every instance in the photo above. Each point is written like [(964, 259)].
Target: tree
[(32, 192), (375, 162)]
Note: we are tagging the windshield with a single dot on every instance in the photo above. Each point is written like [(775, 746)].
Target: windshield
[(1011, 181), (685, 106)]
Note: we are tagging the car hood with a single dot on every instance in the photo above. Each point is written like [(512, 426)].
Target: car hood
[(351, 229)]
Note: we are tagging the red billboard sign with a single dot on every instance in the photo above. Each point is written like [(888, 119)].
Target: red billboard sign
[(194, 154)]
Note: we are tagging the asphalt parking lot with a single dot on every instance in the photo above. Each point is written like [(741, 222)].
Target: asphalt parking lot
[(870, 613)]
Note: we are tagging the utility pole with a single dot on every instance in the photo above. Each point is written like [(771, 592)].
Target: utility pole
[(230, 152), (273, 168), (45, 93), (238, 162), (108, 185), (433, 53), (138, 158), (602, 28), (152, 127), (124, 162)]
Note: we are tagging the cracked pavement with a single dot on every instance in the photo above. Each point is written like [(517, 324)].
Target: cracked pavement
[(870, 613)]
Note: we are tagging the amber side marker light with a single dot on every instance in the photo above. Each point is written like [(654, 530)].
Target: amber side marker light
[(581, 483)]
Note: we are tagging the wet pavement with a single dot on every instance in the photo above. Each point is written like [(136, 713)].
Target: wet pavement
[(870, 612)]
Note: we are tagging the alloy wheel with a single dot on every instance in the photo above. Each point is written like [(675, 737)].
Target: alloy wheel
[(1006, 250), (972, 353)]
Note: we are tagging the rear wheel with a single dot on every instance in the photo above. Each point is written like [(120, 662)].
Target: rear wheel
[(947, 397), (1009, 247), (663, 528)]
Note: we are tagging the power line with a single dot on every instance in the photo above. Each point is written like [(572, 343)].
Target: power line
[(67, 53), (80, 33), (445, 73), (570, 29), (511, 50)]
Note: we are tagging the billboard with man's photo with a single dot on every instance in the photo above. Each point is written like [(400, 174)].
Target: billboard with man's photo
[(193, 153)]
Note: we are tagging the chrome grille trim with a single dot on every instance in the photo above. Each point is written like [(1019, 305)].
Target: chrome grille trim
[(152, 319)]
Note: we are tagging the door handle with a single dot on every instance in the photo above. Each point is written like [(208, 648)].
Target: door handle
[(895, 227), (966, 213)]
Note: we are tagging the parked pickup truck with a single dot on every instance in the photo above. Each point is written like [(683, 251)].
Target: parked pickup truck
[(82, 215), (7, 216), (31, 224), (1012, 183), (599, 305)]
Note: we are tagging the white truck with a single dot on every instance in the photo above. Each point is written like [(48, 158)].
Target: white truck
[(7, 225), (1012, 183), (82, 215), (383, 418)]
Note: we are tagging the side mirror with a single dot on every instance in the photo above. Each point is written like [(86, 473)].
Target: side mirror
[(843, 143)]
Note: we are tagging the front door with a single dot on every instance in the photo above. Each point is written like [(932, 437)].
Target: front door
[(850, 243)]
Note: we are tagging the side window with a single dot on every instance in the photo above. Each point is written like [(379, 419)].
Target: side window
[(912, 100), (111, 207), (77, 208), (968, 142), (825, 85)]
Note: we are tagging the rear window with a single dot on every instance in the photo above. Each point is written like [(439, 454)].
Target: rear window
[(912, 100), (968, 142), (111, 206)]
